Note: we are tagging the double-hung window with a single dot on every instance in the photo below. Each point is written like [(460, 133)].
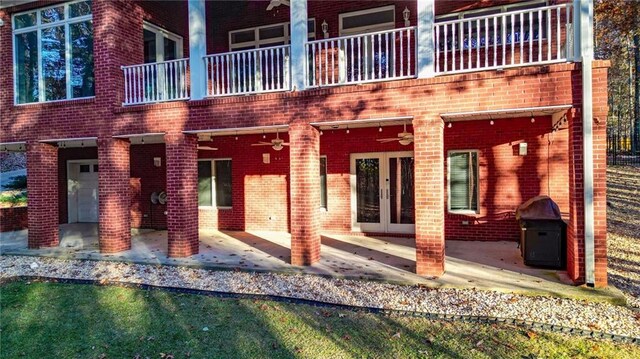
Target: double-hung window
[(372, 56), (53, 53), (463, 181), (214, 183), (517, 28)]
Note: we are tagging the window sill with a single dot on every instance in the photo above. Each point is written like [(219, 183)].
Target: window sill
[(80, 100), (216, 208), (469, 213)]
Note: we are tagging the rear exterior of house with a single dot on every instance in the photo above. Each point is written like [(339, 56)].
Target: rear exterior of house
[(425, 119)]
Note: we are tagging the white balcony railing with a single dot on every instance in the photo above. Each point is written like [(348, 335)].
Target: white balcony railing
[(248, 71), (378, 56), (156, 82), (516, 38)]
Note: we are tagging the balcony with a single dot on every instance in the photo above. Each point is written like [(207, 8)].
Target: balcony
[(524, 37)]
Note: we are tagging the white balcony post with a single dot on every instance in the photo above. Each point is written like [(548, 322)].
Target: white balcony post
[(577, 33), (425, 46), (197, 48), (299, 35)]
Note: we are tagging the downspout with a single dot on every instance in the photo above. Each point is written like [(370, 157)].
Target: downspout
[(584, 11)]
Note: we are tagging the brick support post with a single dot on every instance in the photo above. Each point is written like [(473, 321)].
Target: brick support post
[(113, 195), (575, 228), (42, 186), (182, 194), (429, 195), (305, 194)]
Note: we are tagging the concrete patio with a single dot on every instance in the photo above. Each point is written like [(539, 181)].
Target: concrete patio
[(480, 265)]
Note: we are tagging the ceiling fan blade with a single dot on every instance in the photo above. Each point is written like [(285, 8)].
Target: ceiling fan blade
[(207, 148), (262, 144), (388, 139), (286, 144)]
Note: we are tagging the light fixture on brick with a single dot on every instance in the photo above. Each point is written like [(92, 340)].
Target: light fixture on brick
[(347, 129), (449, 125), (379, 128), (405, 16), (325, 29)]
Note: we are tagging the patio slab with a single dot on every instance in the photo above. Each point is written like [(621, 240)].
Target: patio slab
[(478, 265)]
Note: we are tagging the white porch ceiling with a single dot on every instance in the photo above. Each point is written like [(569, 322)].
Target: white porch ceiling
[(506, 113)]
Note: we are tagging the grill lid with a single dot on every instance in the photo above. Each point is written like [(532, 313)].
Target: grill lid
[(540, 207)]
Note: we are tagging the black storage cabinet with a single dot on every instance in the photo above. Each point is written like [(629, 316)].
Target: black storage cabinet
[(543, 243)]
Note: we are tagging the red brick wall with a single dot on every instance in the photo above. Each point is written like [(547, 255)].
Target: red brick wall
[(506, 179), (13, 219), (146, 179)]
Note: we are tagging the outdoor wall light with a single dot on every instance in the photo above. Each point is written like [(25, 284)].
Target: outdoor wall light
[(491, 122), (405, 16), (533, 120), (325, 29), (449, 125)]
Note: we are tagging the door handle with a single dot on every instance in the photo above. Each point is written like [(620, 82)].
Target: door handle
[(387, 193), (381, 194)]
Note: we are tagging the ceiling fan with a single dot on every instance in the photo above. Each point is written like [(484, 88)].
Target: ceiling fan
[(404, 137), (277, 143), (276, 3)]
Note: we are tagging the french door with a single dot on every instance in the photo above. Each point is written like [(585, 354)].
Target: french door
[(382, 192)]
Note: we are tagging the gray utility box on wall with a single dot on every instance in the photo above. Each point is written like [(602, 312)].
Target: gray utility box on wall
[(542, 243), (543, 240)]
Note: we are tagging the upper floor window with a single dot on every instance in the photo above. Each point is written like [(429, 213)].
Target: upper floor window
[(523, 26), (53, 53), (160, 45), (266, 36)]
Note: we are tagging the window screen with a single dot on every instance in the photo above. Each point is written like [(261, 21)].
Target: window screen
[(323, 182), (204, 183), (223, 183), (463, 181)]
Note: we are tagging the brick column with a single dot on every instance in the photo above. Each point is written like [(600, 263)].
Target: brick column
[(182, 194), (600, 112), (42, 186), (429, 195), (304, 169), (575, 228), (113, 195)]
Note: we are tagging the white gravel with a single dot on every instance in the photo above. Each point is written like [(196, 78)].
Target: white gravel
[(566, 312)]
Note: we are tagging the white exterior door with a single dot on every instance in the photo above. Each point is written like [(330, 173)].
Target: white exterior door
[(382, 192), (83, 191)]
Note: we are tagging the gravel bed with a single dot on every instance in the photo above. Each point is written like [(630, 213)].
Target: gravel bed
[(623, 228), (556, 311)]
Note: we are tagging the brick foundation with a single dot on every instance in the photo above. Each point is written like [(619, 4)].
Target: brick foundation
[(13, 219)]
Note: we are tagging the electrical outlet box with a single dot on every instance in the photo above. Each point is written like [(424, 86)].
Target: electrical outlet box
[(522, 149), (465, 223), (266, 158)]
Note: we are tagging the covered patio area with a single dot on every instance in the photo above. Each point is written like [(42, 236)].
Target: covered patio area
[(477, 265)]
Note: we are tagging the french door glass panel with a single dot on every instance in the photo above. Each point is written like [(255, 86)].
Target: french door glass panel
[(367, 190), (383, 191)]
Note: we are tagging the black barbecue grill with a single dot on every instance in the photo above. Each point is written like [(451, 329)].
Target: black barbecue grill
[(543, 240)]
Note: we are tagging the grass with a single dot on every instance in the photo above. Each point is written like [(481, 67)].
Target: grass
[(53, 320), (13, 199)]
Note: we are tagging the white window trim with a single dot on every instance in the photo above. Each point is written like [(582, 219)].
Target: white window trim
[(477, 194), (503, 8), (370, 28), (160, 35), (67, 45), (213, 182), (286, 39), (325, 208)]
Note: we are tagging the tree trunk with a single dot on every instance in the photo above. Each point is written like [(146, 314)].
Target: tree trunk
[(635, 142)]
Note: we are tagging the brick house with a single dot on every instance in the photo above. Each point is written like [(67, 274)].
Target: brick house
[(427, 119)]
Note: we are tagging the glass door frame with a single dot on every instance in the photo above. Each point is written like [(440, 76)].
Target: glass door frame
[(385, 205)]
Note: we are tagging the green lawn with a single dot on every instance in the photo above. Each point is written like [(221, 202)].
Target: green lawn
[(47, 320)]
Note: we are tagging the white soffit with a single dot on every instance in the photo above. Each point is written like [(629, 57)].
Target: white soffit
[(143, 138), (240, 130), (360, 123), (506, 113), (13, 146), (73, 142)]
